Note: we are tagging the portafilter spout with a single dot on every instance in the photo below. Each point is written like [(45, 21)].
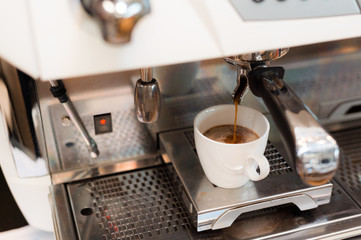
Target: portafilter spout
[(243, 63), (315, 152)]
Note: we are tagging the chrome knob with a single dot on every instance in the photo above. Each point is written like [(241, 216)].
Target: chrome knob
[(147, 97), (117, 18)]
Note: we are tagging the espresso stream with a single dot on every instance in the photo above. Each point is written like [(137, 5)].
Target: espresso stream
[(235, 121)]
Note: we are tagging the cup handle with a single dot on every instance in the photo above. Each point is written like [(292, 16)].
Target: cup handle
[(263, 164)]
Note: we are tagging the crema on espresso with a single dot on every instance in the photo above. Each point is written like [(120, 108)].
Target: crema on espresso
[(225, 134)]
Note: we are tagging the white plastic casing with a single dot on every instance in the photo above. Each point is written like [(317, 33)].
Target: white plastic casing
[(57, 39), (31, 194)]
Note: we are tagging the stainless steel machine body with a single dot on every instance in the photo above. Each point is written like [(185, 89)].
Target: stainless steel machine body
[(147, 182)]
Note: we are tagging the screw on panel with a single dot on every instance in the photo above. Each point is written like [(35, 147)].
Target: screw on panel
[(65, 121)]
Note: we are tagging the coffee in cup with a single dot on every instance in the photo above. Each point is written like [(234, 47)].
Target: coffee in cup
[(226, 134)]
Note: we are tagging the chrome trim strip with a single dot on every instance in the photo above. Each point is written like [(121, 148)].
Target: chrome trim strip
[(104, 169), (62, 215)]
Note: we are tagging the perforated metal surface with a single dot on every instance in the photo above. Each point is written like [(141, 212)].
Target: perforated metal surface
[(337, 78), (349, 173), (138, 205), (125, 208), (278, 165), (147, 204), (128, 139)]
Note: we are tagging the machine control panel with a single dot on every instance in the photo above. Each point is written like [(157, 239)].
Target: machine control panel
[(253, 10)]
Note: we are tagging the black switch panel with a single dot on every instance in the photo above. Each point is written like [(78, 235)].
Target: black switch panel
[(103, 123)]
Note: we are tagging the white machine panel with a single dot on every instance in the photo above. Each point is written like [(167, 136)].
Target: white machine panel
[(57, 39)]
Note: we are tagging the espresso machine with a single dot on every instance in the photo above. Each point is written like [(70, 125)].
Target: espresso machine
[(98, 101)]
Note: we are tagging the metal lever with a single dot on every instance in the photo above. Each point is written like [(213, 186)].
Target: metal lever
[(315, 152), (117, 18), (147, 97), (59, 91)]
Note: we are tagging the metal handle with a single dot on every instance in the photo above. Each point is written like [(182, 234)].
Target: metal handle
[(117, 18), (303, 202), (315, 152), (75, 118), (147, 97)]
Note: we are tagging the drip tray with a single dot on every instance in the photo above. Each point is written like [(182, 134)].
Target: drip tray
[(152, 203), (214, 208), (148, 204)]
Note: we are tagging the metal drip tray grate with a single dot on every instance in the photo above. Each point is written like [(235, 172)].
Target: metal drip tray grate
[(349, 173), (153, 204), (283, 186), (137, 205), (148, 204), (278, 165)]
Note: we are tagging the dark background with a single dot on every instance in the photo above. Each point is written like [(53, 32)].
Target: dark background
[(10, 215)]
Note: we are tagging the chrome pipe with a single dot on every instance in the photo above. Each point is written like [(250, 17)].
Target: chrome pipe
[(78, 123)]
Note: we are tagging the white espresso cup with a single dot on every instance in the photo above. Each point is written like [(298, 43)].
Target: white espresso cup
[(232, 165)]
